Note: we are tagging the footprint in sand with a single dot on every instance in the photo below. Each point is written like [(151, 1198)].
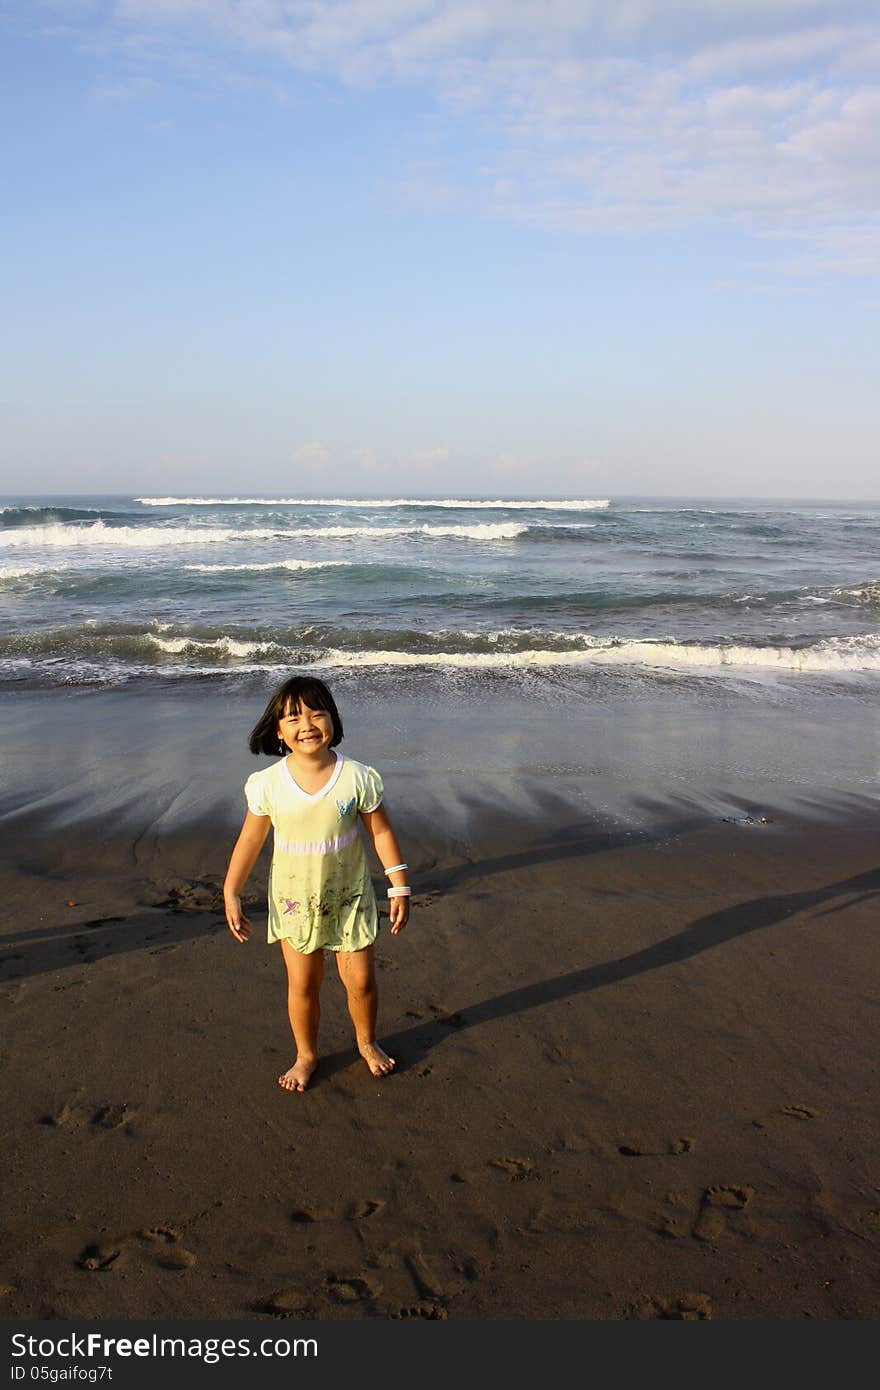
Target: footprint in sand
[(559, 1217), (431, 1311), (644, 1147), (101, 1256), (66, 1115), (290, 1302), (678, 1222), (716, 1203), (516, 1168), (111, 1116), (362, 1210), (176, 1258), (162, 1241), (794, 1112), (105, 1117), (428, 1283), (352, 1289), (307, 1215), (167, 1252), (689, 1307)]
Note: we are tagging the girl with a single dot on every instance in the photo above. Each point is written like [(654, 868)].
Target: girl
[(320, 894)]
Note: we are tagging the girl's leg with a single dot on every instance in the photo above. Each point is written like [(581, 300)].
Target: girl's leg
[(304, 976), (357, 971)]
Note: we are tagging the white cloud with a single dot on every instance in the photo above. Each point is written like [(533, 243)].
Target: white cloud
[(127, 90), (312, 452), (438, 454), (839, 249), (632, 116)]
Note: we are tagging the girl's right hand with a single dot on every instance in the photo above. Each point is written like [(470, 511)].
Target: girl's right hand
[(238, 924)]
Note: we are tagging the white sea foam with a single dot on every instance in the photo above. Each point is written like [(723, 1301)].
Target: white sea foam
[(151, 537), (479, 531), (581, 504), (502, 531), (833, 654), (864, 593), (224, 646), (23, 571), (271, 565), (124, 537)]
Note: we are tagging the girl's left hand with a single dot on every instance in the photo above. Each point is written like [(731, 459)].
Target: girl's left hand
[(398, 911), (238, 924)]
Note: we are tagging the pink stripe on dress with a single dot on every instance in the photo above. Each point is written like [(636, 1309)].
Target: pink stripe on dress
[(316, 846)]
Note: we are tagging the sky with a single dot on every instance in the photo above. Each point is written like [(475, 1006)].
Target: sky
[(520, 247)]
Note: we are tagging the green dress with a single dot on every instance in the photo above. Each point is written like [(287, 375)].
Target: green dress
[(320, 894)]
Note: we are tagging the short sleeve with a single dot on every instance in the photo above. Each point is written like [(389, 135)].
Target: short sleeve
[(255, 794), (370, 791)]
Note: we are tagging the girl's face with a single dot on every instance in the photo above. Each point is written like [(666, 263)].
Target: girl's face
[(306, 730)]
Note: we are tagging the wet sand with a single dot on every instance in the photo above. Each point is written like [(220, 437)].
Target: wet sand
[(637, 1060)]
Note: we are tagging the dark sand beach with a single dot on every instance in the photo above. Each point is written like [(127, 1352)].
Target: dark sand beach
[(635, 1020)]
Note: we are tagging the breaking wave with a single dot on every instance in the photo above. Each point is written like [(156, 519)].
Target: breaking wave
[(456, 503)]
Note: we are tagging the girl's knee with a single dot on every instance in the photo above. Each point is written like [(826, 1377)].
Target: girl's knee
[(303, 993), (360, 993), (357, 971)]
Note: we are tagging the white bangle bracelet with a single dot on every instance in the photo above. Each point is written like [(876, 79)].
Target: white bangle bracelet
[(395, 867), (399, 892)]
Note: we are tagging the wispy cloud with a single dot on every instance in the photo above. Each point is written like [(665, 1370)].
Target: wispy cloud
[(313, 452), (628, 117), (126, 90), (439, 453)]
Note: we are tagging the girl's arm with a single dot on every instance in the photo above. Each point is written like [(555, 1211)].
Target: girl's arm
[(382, 834), (241, 861)]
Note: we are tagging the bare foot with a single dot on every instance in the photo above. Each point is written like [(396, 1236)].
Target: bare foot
[(378, 1061), (297, 1077)]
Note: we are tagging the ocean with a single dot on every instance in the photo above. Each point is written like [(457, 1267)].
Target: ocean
[(648, 661), (110, 590)]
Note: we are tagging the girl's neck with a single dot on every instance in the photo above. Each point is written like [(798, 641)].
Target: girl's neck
[(311, 769)]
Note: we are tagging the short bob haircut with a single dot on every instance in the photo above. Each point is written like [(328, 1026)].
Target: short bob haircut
[(306, 690)]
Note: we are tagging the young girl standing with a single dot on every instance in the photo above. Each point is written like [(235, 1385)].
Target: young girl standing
[(320, 894)]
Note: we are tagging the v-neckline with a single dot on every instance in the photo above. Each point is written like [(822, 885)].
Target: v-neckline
[(323, 790)]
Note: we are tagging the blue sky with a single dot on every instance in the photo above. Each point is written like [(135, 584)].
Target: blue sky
[(479, 245)]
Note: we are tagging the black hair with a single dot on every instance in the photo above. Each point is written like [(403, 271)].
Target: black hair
[(306, 690)]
